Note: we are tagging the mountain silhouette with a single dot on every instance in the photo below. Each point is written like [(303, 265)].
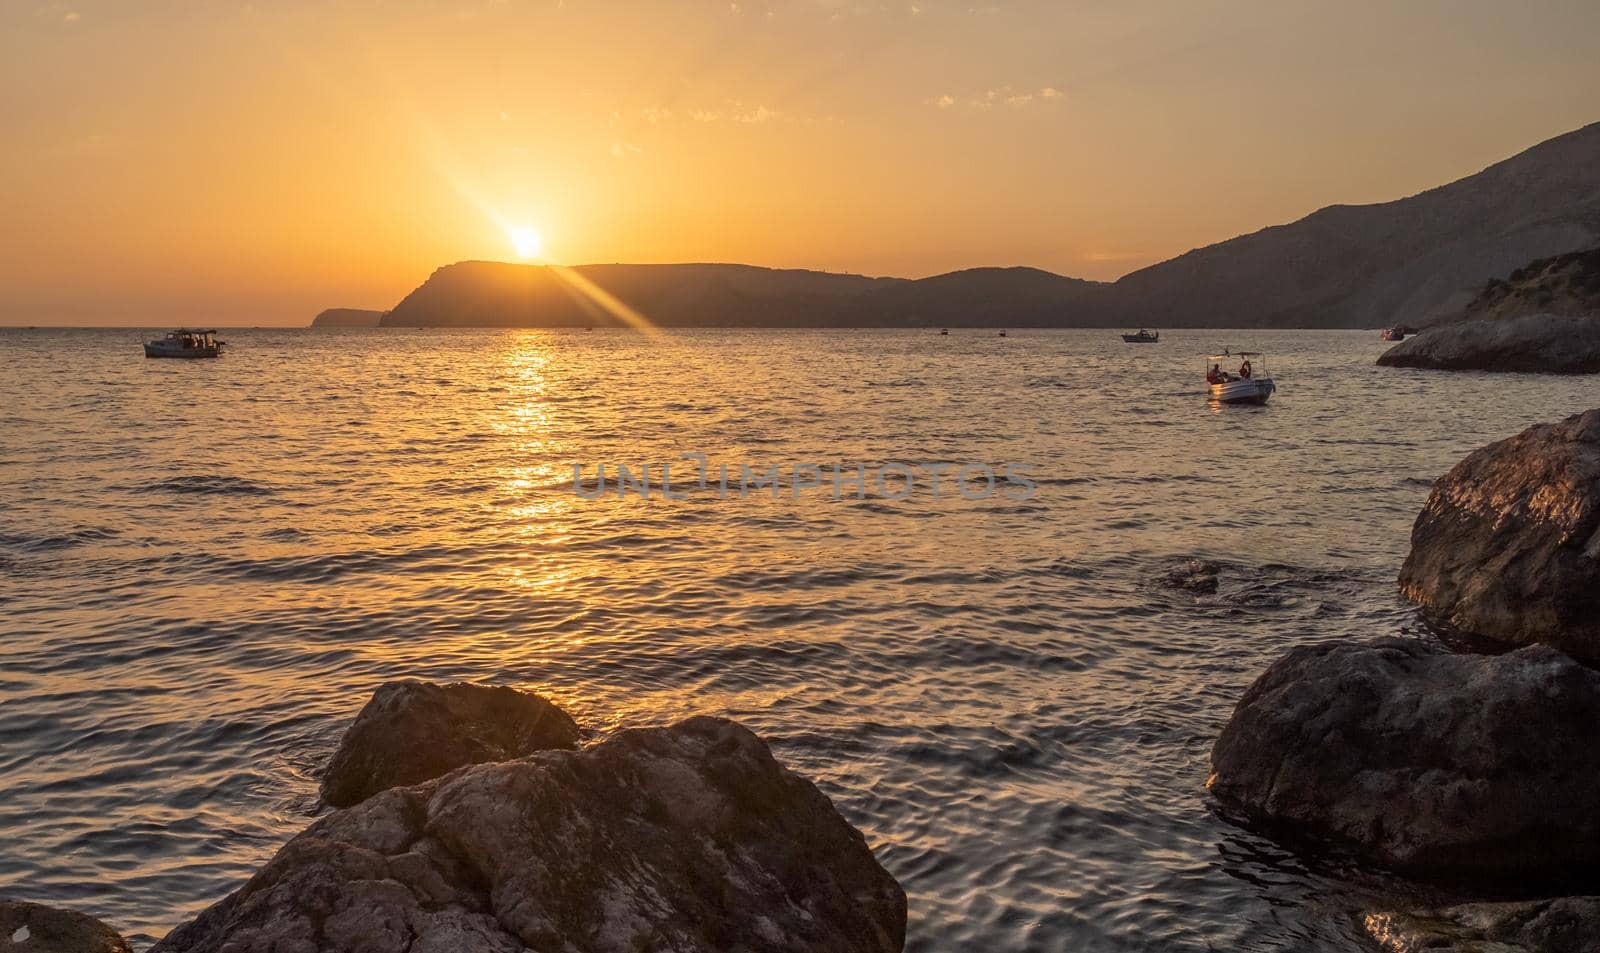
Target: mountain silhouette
[(1414, 260)]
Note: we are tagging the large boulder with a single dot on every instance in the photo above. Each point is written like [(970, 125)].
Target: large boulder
[(690, 839), (1558, 925), (36, 928), (1427, 761), (1508, 546), (411, 731), (1534, 343)]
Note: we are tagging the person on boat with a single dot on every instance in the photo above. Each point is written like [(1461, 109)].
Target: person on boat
[(1244, 370), (1215, 375)]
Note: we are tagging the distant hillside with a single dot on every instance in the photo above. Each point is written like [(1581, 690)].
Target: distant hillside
[(979, 297), (495, 294), (1417, 260), (347, 318), (1565, 284), (1409, 261)]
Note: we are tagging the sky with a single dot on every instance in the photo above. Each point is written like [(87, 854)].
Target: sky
[(253, 163)]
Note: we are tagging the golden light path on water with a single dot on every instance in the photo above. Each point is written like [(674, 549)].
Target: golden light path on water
[(205, 570)]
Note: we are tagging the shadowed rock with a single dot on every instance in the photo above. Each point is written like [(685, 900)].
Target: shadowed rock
[(1430, 762), (36, 928), (686, 839), (1561, 925), (1534, 343), (1197, 575), (1508, 546), (411, 731)]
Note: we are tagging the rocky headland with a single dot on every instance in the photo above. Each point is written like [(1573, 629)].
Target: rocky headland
[(1543, 318)]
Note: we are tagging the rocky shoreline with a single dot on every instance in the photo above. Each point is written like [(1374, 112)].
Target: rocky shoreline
[(1476, 770), (690, 837)]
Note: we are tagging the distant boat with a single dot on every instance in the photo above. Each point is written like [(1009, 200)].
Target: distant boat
[(1143, 337), (1392, 334), (185, 342), (944, 331), (1002, 334), (1251, 385)]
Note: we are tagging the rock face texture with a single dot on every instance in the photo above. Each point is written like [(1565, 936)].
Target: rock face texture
[(413, 731), (36, 928), (1430, 762), (1534, 343), (1508, 546), (688, 838), (1561, 925)]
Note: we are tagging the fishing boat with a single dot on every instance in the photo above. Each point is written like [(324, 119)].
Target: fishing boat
[(185, 342), (1250, 384), (1002, 334), (1392, 334), (1143, 337), (944, 332)]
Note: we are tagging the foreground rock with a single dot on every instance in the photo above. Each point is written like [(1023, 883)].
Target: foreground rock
[(36, 928), (1535, 343), (1423, 760), (1561, 925), (1508, 546), (684, 839), (413, 731)]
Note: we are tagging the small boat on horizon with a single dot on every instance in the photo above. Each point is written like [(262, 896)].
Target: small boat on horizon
[(944, 332), (1002, 334), (1251, 385), (1143, 337), (186, 343)]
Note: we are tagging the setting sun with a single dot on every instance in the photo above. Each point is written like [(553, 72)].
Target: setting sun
[(525, 240)]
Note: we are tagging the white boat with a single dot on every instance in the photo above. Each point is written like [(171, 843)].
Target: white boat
[(185, 342), (1250, 383)]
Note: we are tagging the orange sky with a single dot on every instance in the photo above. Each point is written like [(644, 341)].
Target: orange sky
[(174, 161)]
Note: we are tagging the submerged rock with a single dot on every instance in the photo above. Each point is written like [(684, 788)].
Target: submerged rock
[(686, 839), (1196, 575), (411, 731), (36, 928), (1560, 925), (1533, 343), (1423, 760), (1508, 546)]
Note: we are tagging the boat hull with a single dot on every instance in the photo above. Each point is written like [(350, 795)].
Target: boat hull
[(1136, 339), (1247, 391), (154, 350)]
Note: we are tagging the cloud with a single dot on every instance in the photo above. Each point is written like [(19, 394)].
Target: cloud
[(1001, 96), (736, 113)]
